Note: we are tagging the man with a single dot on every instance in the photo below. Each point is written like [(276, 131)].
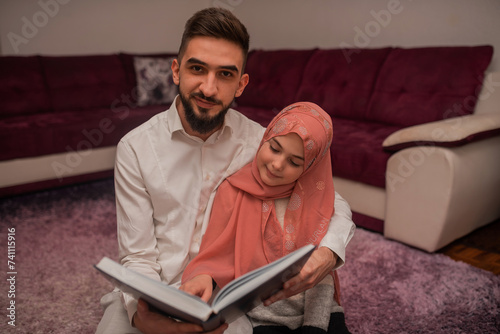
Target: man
[(167, 171)]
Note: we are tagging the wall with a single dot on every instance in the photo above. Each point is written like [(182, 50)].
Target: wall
[(104, 26), (64, 27), (373, 23)]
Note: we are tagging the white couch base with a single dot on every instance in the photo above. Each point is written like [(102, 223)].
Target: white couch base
[(56, 166), (436, 195), (362, 198)]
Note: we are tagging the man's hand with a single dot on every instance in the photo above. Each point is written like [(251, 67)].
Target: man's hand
[(153, 323), (319, 265), (200, 286)]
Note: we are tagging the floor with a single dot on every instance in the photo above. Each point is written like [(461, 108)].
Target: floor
[(480, 248)]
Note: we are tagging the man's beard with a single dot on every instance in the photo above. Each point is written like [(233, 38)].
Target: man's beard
[(203, 124)]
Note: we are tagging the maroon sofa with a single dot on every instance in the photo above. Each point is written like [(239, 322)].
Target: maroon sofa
[(53, 105), (370, 94), (59, 105)]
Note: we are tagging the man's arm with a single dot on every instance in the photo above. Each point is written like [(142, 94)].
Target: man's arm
[(134, 213), (137, 243), (330, 254), (340, 231)]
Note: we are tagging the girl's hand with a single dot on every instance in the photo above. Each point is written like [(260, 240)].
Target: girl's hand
[(200, 286)]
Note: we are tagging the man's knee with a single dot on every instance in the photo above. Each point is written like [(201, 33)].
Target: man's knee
[(115, 318)]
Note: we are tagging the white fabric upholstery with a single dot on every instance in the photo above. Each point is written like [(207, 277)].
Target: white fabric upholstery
[(436, 195), (446, 131), (56, 166), (362, 198)]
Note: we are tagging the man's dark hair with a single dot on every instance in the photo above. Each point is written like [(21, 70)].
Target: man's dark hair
[(217, 23)]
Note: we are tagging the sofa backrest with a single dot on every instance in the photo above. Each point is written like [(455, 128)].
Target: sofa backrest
[(394, 86), (341, 81), (274, 78), (421, 85), (22, 87), (83, 82)]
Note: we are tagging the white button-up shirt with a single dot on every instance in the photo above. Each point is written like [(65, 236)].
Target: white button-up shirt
[(165, 183)]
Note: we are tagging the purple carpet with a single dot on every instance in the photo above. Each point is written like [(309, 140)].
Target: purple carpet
[(59, 234)]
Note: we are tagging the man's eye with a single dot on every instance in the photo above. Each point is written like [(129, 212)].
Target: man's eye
[(226, 74), (196, 68)]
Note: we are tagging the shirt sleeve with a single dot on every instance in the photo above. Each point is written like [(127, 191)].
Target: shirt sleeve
[(134, 213), (340, 231)]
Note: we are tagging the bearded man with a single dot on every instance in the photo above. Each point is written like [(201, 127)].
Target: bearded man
[(167, 171)]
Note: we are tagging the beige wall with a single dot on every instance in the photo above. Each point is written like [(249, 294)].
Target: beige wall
[(65, 27), (103, 26)]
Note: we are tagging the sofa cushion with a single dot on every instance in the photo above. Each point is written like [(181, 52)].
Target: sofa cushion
[(127, 60), (68, 131), (154, 80), (20, 138), (84, 82), (22, 88), (274, 78), (357, 152), (421, 85), (262, 116), (341, 81)]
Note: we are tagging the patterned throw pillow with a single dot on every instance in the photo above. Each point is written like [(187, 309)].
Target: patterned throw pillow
[(154, 80)]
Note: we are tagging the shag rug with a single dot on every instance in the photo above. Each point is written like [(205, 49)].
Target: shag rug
[(59, 234)]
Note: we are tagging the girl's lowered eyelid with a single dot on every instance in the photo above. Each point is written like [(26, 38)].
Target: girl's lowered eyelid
[(276, 150)]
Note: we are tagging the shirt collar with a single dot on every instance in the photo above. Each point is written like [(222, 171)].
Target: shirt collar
[(175, 123), (173, 118)]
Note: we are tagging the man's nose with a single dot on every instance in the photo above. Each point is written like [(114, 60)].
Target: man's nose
[(209, 85)]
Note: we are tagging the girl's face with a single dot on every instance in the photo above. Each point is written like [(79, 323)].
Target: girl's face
[(280, 160)]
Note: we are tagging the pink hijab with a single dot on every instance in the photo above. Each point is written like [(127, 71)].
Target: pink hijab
[(244, 233), (311, 197)]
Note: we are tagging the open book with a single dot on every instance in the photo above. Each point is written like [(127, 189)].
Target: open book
[(232, 301)]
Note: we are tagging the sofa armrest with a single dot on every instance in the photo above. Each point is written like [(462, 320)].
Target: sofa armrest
[(435, 195), (446, 133)]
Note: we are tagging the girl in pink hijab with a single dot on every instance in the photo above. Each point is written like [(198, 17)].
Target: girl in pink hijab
[(276, 204)]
